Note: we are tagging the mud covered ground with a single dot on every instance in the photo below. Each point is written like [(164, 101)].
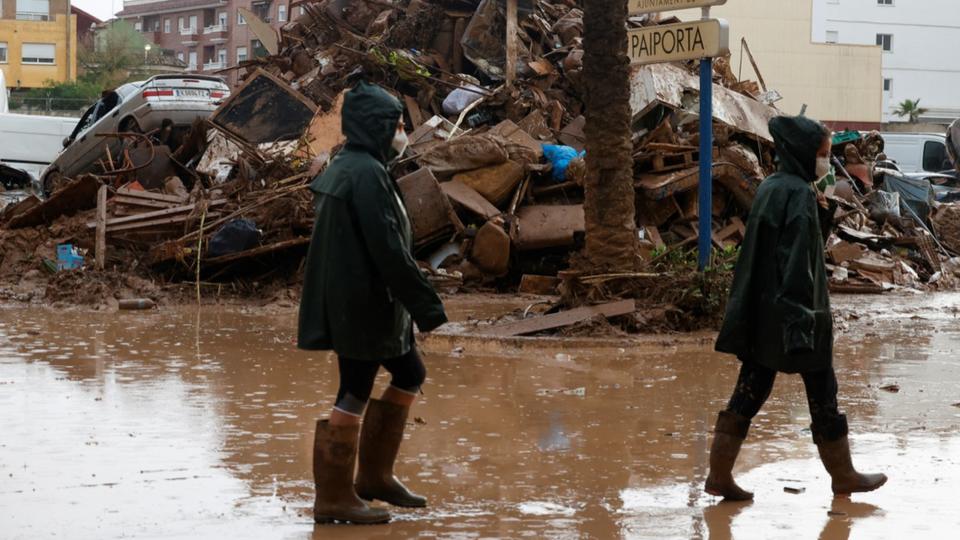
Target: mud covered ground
[(174, 424)]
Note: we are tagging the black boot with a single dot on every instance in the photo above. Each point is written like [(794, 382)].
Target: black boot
[(380, 441), (334, 459), (728, 436)]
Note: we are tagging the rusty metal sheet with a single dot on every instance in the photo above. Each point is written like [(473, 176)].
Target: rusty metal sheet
[(675, 87), (540, 227)]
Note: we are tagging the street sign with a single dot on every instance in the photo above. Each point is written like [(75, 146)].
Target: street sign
[(639, 7), (677, 42)]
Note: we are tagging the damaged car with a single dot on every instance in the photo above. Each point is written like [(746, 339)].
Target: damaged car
[(165, 101)]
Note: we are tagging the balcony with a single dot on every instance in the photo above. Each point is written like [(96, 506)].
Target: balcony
[(191, 67), (216, 33), (32, 16), (189, 36), (214, 29), (214, 66)]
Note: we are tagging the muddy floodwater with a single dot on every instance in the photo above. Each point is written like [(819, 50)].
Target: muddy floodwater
[(174, 424)]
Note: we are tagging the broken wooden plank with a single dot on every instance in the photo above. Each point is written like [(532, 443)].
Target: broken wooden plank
[(78, 195), (564, 318), (143, 203), (258, 251), (157, 214), (469, 198), (413, 108), (156, 223), (125, 191), (100, 247)]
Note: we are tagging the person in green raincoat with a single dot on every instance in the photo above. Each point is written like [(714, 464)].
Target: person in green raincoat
[(362, 292), (778, 316)]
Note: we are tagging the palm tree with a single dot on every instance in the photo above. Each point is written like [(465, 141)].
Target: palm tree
[(611, 239), (910, 108)]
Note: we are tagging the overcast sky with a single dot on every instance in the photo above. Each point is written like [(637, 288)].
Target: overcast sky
[(102, 9)]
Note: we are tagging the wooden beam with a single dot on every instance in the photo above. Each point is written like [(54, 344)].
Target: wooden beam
[(158, 214), (154, 223), (100, 249), (151, 195), (257, 251), (511, 64), (564, 318)]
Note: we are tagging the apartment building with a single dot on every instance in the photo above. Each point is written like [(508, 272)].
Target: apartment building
[(915, 36), (832, 83), (208, 35), (38, 42)]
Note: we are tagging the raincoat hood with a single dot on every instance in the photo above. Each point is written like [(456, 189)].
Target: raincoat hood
[(370, 117), (798, 140)]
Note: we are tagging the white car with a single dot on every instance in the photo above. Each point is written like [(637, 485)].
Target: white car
[(134, 107)]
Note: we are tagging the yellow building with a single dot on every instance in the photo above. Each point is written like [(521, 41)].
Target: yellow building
[(839, 84), (38, 42)]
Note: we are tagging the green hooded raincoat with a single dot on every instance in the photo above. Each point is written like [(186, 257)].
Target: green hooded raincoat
[(362, 284), (778, 314)]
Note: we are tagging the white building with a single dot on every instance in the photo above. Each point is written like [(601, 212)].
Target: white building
[(918, 39)]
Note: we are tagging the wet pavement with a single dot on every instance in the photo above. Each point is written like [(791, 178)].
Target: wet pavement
[(172, 424)]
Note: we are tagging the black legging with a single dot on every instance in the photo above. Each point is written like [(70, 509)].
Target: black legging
[(357, 378), (756, 382)]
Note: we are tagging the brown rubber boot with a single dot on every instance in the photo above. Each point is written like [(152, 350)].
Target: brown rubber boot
[(728, 436), (835, 456), (380, 441), (334, 459)]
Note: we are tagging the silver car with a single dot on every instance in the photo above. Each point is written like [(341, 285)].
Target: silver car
[(134, 107)]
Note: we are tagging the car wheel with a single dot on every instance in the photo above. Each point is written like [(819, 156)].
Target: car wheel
[(130, 125), (51, 182)]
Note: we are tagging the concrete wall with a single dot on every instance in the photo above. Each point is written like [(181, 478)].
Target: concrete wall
[(837, 83), (922, 63), (14, 33)]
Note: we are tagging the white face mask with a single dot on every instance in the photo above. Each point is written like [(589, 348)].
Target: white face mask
[(823, 167), (400, 142)]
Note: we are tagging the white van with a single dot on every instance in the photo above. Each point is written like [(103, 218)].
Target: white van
[(918, 152)]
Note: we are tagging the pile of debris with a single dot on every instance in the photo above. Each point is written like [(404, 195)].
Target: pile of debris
[(493, 178)]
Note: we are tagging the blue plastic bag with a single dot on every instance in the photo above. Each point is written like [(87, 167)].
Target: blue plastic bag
[(560, 157)]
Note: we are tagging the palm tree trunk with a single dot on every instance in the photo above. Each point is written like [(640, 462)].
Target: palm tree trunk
[(611, 240)]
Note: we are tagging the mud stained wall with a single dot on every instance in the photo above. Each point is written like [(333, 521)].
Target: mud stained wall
[(836, 82)]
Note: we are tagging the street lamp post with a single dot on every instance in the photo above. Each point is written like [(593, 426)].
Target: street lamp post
[(146, 52)]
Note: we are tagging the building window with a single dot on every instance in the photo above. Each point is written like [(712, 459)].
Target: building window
[(181, 24), (240, 20), (884, 2), (222, 18), (156, 25), (193, 23), (885, 41), (33, 10), (180, 56), (3, 52), (192, 64), (241, 54), (282, 13), (833, 36), (888, 85), (38, 53), (167, 26), (138, 26)]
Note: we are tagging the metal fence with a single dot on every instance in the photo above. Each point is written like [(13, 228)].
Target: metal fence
[(49, 106)]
